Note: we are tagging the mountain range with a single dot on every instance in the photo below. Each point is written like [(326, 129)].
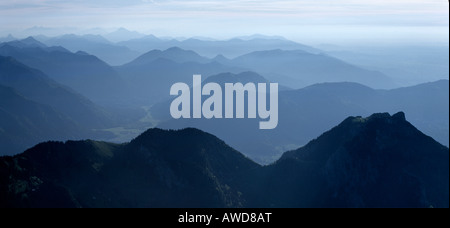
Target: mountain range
[(174, 54), (379, 161), (110, 86), (80, 71), (306, 113), (146, 81), (96, 45), (36, 109), (210, 48), (406, 65), (122, 46), (151, 75), (376, 162), (298, 69)]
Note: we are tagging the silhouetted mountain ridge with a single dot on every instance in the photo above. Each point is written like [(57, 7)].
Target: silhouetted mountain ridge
[(198, 171), (380, 161), (174, 54)]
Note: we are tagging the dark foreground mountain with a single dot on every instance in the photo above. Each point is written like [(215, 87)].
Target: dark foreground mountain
[(380, 161), (186, 168)]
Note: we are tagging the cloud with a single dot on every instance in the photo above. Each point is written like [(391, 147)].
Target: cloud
[(222, 16), (260, 6)]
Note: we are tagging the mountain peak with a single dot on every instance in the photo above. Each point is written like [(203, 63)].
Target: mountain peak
[(175, 49), (29, 39), (152, 133), (378, 161), (399, 117), (84, 38), (174, 54), (82, 53), (380, 130), (122, 29), (221, 58), (123, 34), (185, 168), (29, 42)]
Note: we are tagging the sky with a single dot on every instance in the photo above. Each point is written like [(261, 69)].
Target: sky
[(311, 20)]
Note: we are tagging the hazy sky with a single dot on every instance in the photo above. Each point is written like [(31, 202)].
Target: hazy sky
[(313, 20)]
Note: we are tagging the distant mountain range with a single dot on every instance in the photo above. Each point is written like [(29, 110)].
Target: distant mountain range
[(82, 72), (151, 75), (306, 113), (174, 54), (298, 69), (296, 65), (380, 161), (294, 68), (122, 46), (400, 66), (406, 65), (79, 81), (210, 48), (96, 45)]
